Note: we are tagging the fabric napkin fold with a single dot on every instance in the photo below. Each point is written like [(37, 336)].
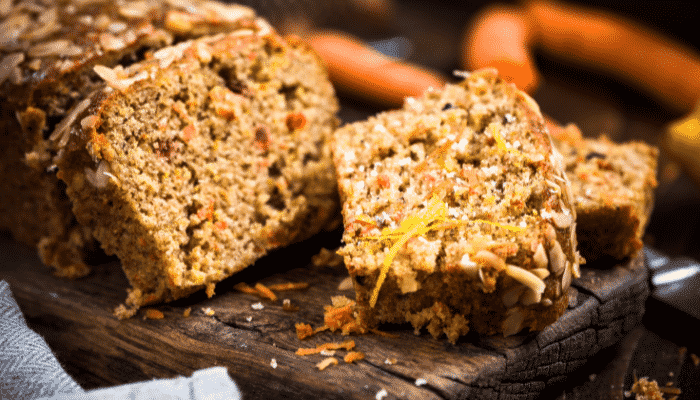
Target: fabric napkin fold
[(28, 368), (30, 371)]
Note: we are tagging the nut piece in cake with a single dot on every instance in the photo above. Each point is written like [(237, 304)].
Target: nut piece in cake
[(458, 215), (184, 165)]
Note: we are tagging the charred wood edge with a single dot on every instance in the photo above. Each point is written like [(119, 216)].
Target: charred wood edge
[(607, 309)]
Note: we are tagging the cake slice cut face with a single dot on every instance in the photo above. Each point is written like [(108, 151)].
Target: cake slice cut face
[(195, 163), (458, 215), (47, 53)]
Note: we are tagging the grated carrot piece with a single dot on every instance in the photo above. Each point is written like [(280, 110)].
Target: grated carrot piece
[(279, 287), (354, 356), (152, 313), (265, 292), (245, 288), (303, 330), (336, 317), (385, 334)]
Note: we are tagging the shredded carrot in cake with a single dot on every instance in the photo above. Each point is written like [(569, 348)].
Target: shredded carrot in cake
[(500, 143), (439, 155), (433, 217)]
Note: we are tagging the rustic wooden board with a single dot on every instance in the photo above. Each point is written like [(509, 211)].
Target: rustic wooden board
[(76, 319)]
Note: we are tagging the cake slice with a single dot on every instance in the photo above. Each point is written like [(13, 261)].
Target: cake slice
[(458, 215), (47, 54), (193, 164), (613, 190)]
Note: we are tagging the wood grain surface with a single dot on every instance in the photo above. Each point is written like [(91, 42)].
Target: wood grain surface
[(76, 319)]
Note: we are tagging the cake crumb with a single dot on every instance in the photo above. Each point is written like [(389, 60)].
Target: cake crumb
[(287, 306), (152, 313), (187, 312), (695, 358), (326, 363), (328, 258), (273, 363), (421, 382), (345, 284), (390, 361), (249, 318), (381, 394), (208, 311), (257, 306)]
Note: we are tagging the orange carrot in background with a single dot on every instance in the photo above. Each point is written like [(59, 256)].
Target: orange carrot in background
[(360, 70), (620, 47), (499, 37)]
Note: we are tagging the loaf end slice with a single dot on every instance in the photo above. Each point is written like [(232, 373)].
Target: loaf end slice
[(613, 187), (47, 54)]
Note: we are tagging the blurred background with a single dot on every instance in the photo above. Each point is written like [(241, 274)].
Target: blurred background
[(430, 34)]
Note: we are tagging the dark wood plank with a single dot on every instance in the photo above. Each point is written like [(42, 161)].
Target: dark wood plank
[(76, 319)]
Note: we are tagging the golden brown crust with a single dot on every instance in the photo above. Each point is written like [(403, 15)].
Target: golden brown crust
[(462, 199)]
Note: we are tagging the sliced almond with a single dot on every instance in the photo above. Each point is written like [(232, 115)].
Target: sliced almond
[(540, 257), (526, 277), (566, 278), (557, 259)]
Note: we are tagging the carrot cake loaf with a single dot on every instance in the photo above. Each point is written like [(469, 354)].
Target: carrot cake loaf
[(458, 215), (613, 189), (194, 163), (48, 50)]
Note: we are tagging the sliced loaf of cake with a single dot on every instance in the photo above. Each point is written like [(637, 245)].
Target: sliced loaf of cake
[(458, 215), (47, 53), (193, 164)]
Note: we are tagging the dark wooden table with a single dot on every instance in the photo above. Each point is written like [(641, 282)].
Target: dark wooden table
[(589, 353), (97, 350)]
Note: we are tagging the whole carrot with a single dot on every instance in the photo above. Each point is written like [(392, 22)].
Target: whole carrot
[(499, 37), (623, 48), (360, 70)]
